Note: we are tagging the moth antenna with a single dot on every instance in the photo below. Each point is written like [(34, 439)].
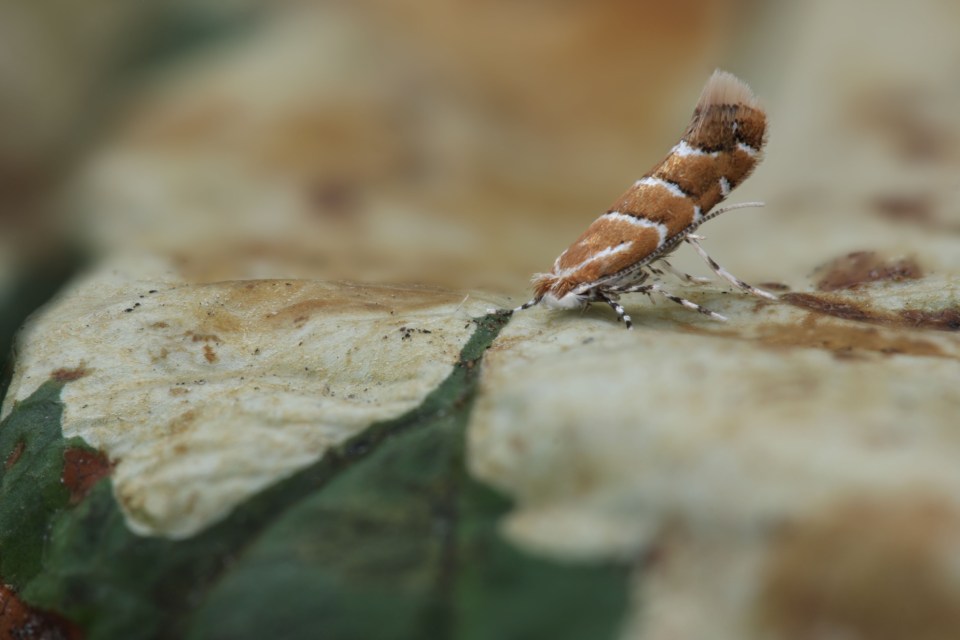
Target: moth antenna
[(730, 207)]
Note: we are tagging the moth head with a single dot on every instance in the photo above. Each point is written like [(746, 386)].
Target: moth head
[(569, 300)]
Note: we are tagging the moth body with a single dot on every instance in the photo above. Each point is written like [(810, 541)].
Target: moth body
[(625, 248)]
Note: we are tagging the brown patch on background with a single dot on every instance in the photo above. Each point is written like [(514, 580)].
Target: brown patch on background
[(877, 569), (346, 140), (83, 468), (916, 210), (854, 269), (334, 199), (69, 375), (905, 208), (571, 45), (901, 115), (947, 319), (15, 454), (172, 124), (21, 621)]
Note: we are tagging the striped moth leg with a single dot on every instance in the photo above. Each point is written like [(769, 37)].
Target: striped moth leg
[(689, 304), (694, 241)]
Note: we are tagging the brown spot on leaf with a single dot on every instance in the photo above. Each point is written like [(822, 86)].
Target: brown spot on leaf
[(159, 325), (947, 319), (204, 337), (182, 422), (221, 321), (15, 454), (854, 269), (879, 569), (299, 312), (845, 340), (830, 306), (20, 621), (209, 354), (774, 286), (69, 375), (943, 319), (285, 302), (82, 468)]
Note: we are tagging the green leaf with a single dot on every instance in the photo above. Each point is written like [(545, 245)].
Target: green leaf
[(385, 537), (31, 455)]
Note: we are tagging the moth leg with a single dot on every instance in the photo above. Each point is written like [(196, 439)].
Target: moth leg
[(723, 273), (617, 308), (689, 304), (686, 277)]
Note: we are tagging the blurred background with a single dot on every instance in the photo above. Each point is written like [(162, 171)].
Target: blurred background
[(462, 144)]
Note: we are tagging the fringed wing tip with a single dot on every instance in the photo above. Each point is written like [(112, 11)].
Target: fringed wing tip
[(725, 88), (542, 282)]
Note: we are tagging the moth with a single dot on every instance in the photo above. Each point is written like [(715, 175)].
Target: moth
[(626, 247)]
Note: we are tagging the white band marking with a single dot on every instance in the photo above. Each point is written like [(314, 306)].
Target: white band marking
[(599, 255), (650, 181), (724, 187), (683, 149), (660, 228)]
